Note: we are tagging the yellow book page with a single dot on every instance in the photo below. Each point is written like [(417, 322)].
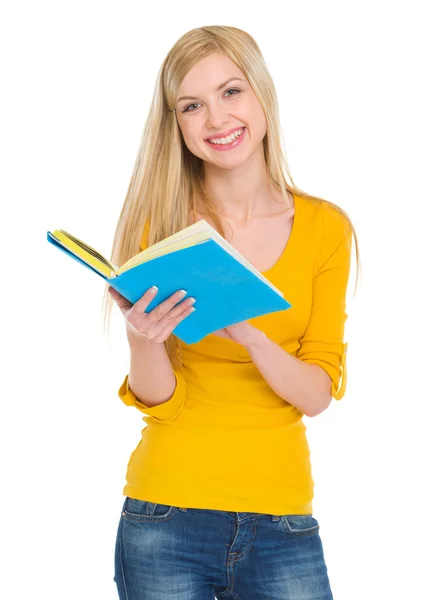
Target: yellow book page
[(91, 256)]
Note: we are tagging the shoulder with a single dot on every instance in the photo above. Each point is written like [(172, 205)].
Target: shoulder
[(320, 212), (328, 225), (333, 221)]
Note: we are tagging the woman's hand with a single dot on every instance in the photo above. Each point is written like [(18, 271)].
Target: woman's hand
[(242, 333), (157, 324)]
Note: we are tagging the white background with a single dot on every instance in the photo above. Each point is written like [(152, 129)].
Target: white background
[(362, 111)]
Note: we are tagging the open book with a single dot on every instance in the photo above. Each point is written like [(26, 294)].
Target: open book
[(228, 289)]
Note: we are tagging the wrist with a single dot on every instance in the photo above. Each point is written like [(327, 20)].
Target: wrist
[(259, 340), (136, 339)]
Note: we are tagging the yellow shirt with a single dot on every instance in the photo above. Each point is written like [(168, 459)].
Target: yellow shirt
[(225, 440)]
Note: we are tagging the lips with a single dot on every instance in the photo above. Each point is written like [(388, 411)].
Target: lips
[(229, 146), (224, 133)]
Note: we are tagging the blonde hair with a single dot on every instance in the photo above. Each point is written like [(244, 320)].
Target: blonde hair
[(167, 178)]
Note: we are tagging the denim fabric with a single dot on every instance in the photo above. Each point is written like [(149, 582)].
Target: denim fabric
[(167, 552)]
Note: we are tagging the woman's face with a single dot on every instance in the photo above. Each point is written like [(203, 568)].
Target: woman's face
[(208, 112)]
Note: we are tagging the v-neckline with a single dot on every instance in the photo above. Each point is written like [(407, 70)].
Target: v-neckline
[(289, 243)]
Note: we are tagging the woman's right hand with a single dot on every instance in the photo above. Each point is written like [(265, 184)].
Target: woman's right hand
[(157, 324)]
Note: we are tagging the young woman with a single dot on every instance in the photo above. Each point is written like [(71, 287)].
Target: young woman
[(218, 500)]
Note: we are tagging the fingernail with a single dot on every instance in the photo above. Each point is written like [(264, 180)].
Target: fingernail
[(153, 289)]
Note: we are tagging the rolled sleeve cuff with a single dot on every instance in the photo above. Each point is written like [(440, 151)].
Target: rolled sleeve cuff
[(335, 367), (164, 412)]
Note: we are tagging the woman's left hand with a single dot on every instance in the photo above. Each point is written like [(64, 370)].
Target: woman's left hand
[(242, 333)]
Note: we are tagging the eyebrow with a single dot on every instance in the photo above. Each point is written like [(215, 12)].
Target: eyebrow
[(217, 89)]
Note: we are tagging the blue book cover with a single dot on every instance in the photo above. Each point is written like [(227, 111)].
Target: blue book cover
[(227, 288)]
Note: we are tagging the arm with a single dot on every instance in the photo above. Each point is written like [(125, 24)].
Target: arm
[(304, 385), (311, 379), (156, 389), (152, 385)]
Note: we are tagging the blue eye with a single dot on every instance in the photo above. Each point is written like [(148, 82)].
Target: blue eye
[(186, 109)]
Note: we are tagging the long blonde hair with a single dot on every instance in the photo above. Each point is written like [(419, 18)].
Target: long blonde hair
[(167, 178)]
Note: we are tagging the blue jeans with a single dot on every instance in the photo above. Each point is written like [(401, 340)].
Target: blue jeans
[(167, 552)]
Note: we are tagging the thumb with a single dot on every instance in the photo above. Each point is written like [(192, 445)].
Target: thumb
[(220, 333), (120, 300)]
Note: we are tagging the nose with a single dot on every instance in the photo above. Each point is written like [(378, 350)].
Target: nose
[(217, 117)]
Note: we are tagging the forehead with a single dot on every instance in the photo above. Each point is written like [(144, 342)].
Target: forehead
[(207, 74)]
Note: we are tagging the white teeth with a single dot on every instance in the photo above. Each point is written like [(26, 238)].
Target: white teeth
[(227, 139)]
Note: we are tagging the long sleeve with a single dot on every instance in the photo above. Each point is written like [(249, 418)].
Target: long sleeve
[(165, 412), (322, 343)]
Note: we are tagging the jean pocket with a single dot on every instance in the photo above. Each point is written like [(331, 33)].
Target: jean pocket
[(142, 510), (299, 524)]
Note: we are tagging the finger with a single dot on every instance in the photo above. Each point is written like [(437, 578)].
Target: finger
[(140, 305), (120, 300), (184, 311), (163, 307), (160, 328)]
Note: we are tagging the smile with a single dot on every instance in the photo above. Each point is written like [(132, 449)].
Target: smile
[(231, 141)]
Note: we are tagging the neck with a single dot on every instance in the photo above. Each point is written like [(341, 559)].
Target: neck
[(241, 194)]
